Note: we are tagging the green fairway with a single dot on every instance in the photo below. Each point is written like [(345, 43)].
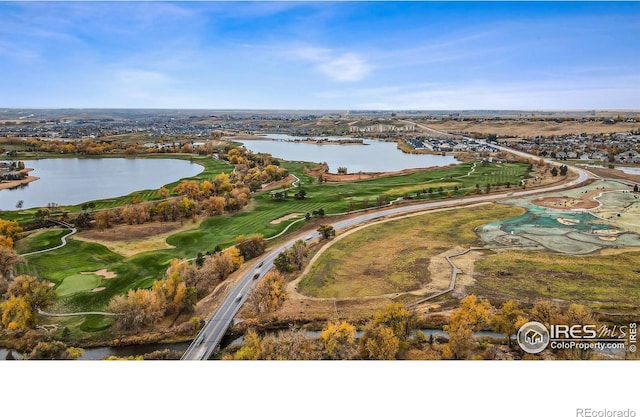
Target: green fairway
[(41, 240)]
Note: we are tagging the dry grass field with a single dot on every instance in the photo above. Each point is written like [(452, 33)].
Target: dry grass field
[(390, 260), (129, 240)]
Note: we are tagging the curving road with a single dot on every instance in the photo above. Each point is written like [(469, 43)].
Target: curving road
[(211, 334)]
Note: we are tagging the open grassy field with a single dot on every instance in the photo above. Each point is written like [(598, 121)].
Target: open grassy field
[(605, 283), (393, 257)]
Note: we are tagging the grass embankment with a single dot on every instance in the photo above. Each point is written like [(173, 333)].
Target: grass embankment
[(605, 283), (393, 257)]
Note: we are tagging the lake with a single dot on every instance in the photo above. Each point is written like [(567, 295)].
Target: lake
[(372, 156), (69, 181)]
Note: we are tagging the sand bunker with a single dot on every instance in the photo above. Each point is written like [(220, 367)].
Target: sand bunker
[(285, 218), (97, 289), (104, 273), (568, 222)]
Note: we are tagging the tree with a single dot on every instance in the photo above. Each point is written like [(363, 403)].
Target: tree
[(25, 295), (214, 205), (471, 315), (379, 342), (554, 171), (37, 293), (17, 313), (282, 262), (42, 214), (104, 219), (508, 319), (199, 260), (8, 258), (169, 293), (188, 188), (236, 258), (289, 345), (10, 229), (298, 254), (268, 295), (138, 309), (326, 230), (546, 312), (339, 341), (55, 350), (563, 170), (577, 314), (251, 349), (6, 242), (163, 192), (252, 246), (187, 207), (397, 318)]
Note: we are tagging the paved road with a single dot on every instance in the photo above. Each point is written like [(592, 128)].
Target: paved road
[(211, 334)]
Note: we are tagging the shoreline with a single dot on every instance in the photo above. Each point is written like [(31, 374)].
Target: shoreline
[(9, 185), (307, 140)]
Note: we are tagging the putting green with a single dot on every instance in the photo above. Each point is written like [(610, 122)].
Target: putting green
[(78, 282)]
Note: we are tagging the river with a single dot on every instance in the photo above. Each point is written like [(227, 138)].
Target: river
[(68, 181), (371, 156)]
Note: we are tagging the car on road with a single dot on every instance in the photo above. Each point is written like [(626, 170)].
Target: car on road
[(239, 298), (256, 276), (260, 264)]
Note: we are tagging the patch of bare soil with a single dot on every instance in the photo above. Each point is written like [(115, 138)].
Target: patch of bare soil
[(285, 218), (322, 310), (131, 232), (585, 201), (615, 174), (129, 240), (105, 273), (278, 184)]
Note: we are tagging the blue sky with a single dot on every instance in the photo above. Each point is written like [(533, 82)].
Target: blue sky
[(307, 55)]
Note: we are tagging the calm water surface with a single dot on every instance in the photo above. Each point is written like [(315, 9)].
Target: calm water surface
[(74, 181), (373, 156)]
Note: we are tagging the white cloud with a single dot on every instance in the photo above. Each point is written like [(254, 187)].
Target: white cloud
[(343, 67)]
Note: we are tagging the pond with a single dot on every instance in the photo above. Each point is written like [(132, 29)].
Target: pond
[(69, 181), (370, 156)]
